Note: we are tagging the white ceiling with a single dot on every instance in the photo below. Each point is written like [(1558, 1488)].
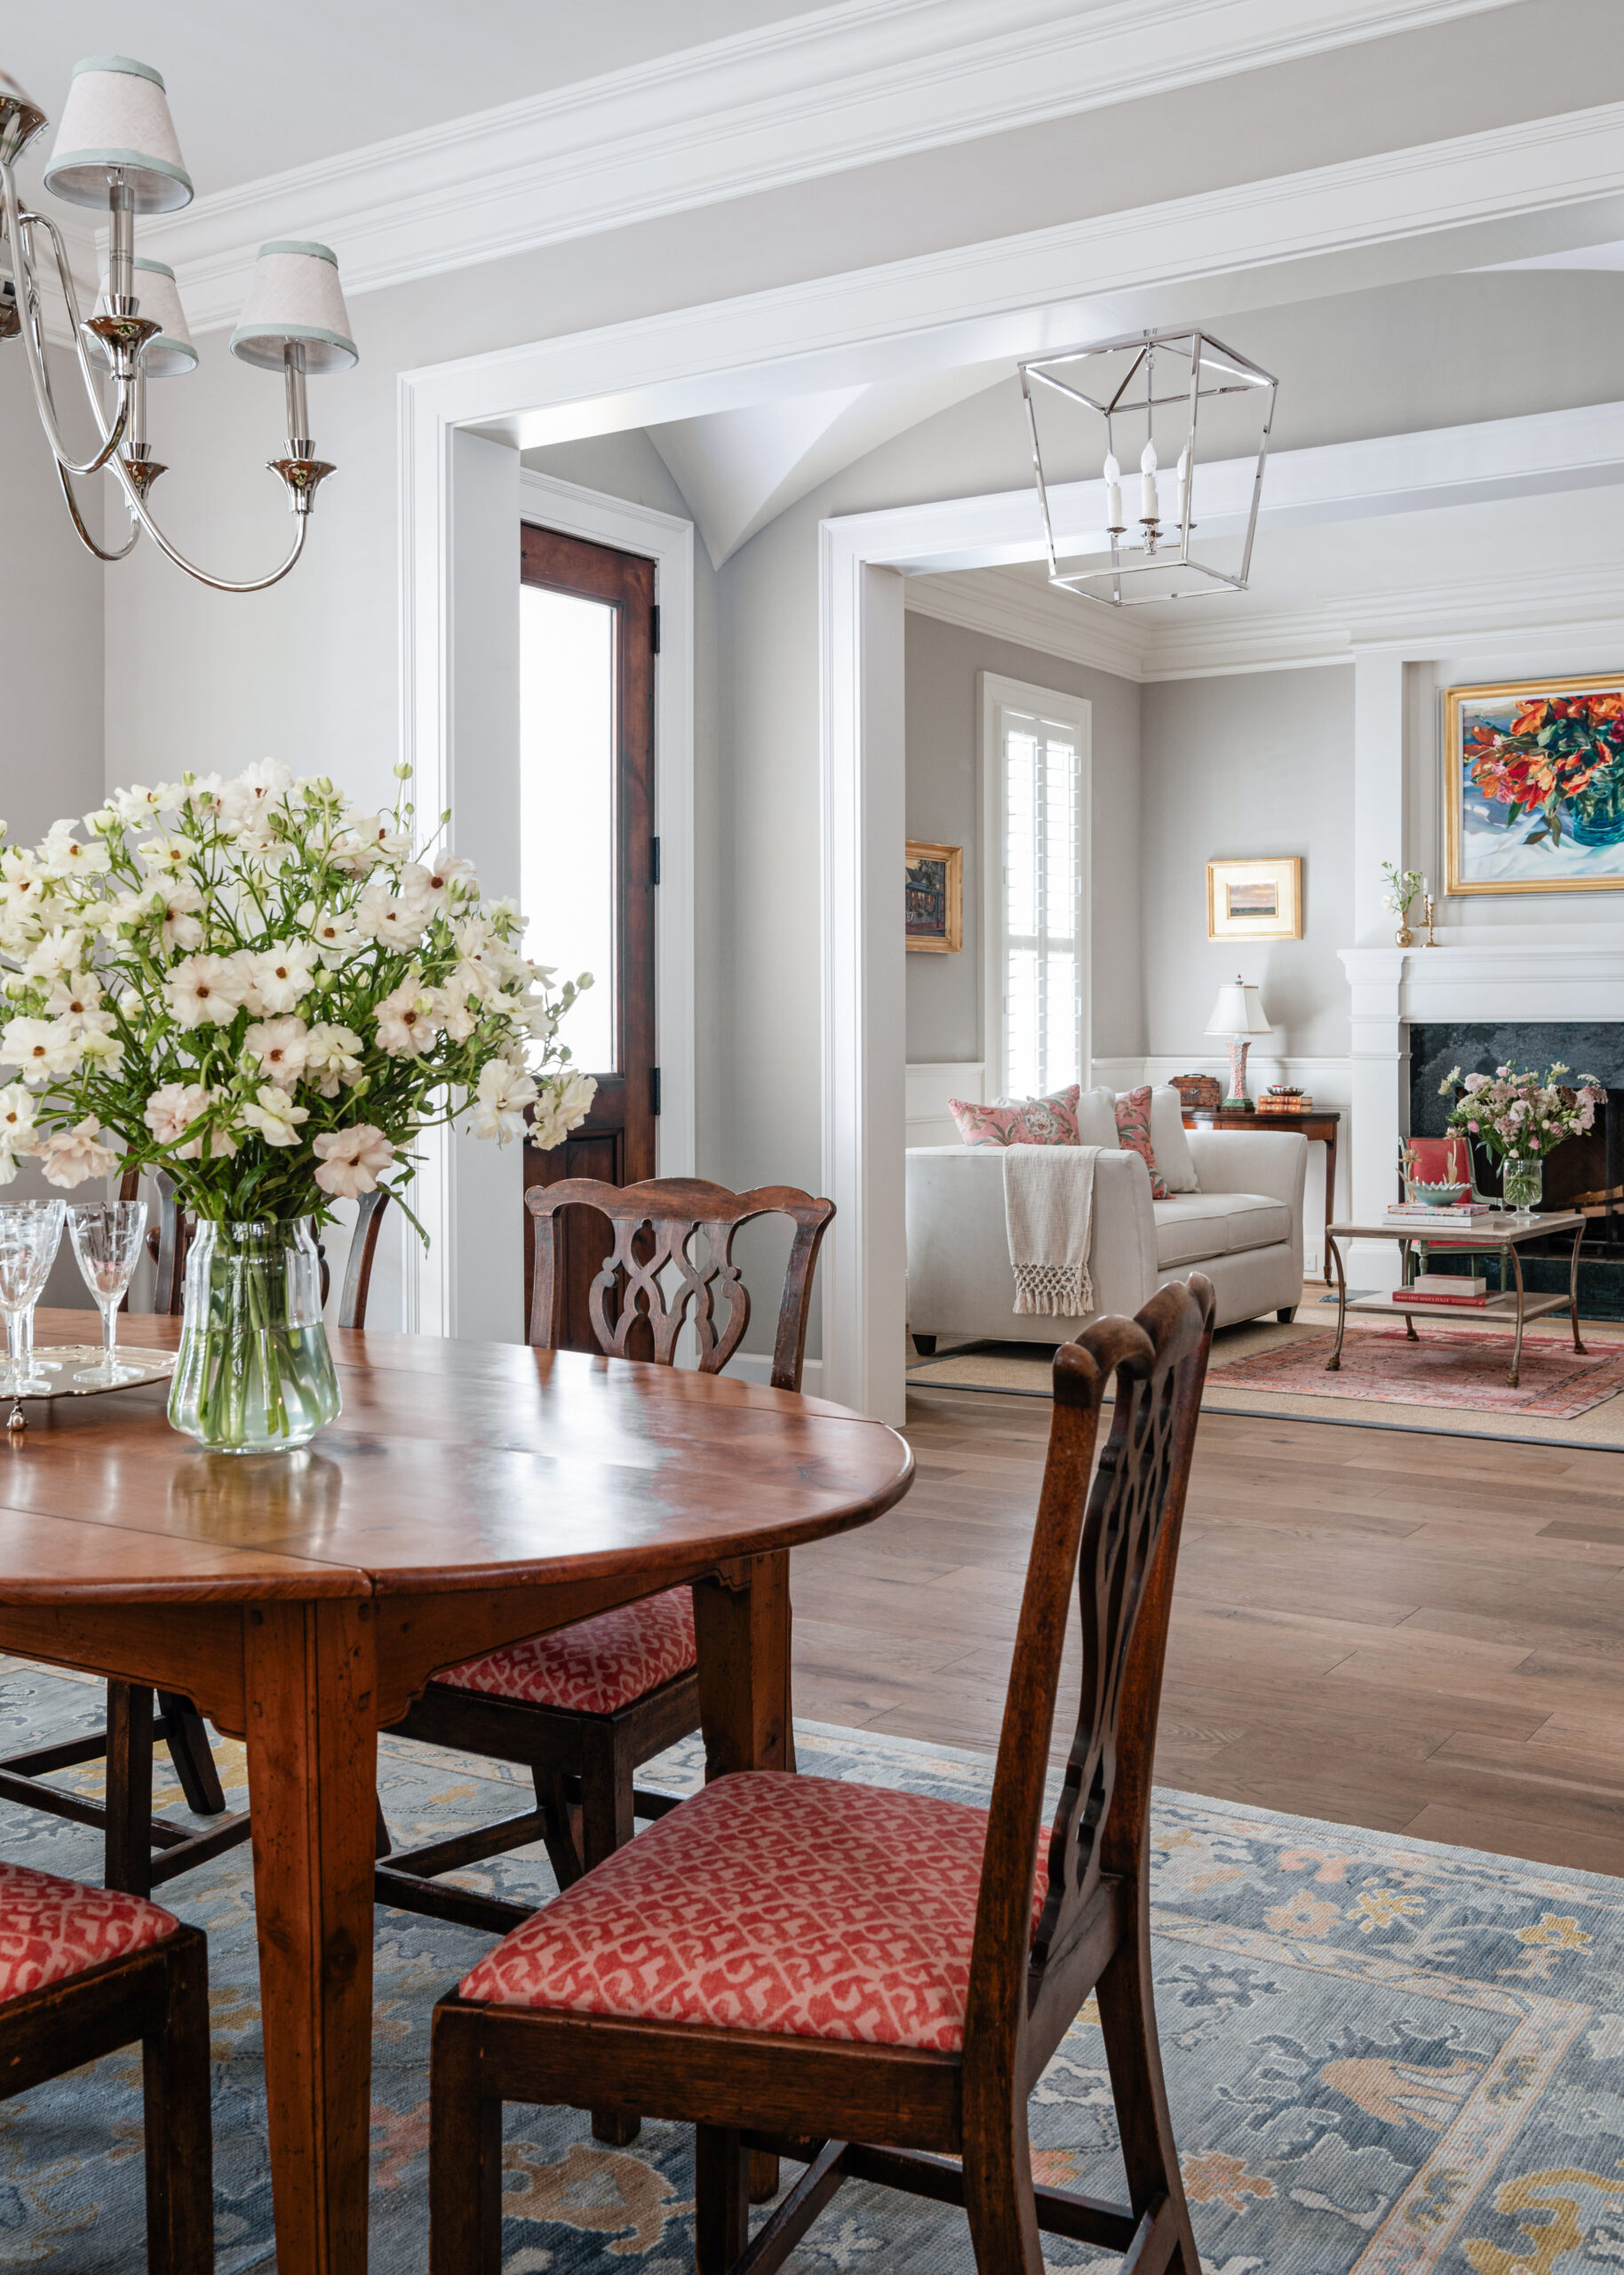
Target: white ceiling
[(256, 89)]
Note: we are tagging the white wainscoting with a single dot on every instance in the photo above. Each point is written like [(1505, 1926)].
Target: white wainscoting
[(1328, 1082), (929, 1089)]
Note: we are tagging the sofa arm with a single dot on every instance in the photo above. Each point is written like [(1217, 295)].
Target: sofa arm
[(1274, 1162)]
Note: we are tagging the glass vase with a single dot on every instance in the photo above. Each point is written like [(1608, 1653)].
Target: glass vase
[(1521, 1183), (254, 1373)]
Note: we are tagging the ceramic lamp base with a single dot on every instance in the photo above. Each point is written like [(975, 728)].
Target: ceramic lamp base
[(1238, 1102)]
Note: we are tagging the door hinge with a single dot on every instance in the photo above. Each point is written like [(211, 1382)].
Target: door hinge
[(654, 1089), (653, 627), (654, 861)]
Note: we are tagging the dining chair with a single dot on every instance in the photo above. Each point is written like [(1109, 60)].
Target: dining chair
[(583, 1708), (871, 1981), (141, 1851), (84, 1971)]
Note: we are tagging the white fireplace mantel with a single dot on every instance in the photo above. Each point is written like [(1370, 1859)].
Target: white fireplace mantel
[(1479, 973)]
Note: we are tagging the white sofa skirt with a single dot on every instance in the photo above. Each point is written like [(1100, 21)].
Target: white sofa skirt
[(960, 1281)]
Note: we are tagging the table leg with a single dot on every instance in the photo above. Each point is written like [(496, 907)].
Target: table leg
[(1330, 1193), (742, 1623), (311, 1679), (1333, 1363), (1573, 1293), (1404, 1281), (1517, 1342)]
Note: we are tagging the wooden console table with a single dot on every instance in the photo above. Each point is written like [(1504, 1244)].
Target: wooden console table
[(1317, 1125)]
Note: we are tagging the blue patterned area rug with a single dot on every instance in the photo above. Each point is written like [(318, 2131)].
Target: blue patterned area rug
[(1383, 2056)]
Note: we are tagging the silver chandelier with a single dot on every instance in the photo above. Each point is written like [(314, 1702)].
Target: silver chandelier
[(1154, 384), (116, 148)]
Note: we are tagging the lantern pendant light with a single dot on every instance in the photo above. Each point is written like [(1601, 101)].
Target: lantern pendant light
[(116, 150)]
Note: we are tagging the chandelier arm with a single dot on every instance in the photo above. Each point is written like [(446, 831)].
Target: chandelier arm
[(16, 221), (85, 537), (137, 507)]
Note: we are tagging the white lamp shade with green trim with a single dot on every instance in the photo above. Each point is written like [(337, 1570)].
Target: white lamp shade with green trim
[(116, 116), (171, 353), (296, 294)]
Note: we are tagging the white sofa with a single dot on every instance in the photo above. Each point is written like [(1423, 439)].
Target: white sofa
[(1243, 1228)]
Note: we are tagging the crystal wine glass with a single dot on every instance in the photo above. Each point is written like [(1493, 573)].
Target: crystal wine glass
[(106, 1238), (31, 1231)]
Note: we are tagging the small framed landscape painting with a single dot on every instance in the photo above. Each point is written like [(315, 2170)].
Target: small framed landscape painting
[(1534, 786), (935, 897), (1255, 900)]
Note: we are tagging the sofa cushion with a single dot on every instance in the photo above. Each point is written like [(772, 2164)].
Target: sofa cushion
[(1018, 1121), (1191, 1226), (1133, 1134), (1173, 1157)]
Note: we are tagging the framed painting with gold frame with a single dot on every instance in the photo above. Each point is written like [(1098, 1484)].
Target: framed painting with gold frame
[(1255, 900), (935, 897), (1534, 786)]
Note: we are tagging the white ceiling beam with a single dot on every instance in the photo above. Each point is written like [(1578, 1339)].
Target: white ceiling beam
[(848, 86)]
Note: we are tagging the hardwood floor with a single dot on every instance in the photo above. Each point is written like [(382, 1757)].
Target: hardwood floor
[(1410, 1632)]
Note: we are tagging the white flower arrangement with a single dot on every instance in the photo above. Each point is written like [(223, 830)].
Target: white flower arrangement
[(1518, 1112), (1403, 885), (260, 989)]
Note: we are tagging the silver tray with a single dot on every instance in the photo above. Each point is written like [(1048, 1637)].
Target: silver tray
[(62, 1361)]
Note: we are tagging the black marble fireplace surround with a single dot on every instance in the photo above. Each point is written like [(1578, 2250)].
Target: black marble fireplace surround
[(1588, 1164)]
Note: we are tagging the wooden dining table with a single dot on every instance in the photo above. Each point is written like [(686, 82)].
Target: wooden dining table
[(469, 1495)]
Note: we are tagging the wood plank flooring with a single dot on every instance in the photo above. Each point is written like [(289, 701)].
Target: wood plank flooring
[(1410, 1632)]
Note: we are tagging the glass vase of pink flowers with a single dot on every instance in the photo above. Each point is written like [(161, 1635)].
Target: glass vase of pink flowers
[(1520, 1118), (266, 993)]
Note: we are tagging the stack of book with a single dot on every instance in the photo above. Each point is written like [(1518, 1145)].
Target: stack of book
[(1450, 1217), (1453, 1290), (1280, 1100)]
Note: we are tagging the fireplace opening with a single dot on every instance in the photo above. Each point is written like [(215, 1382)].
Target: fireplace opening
[(1585, 1174)]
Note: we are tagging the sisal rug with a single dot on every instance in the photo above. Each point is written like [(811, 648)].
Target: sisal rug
[(1385, 2057)]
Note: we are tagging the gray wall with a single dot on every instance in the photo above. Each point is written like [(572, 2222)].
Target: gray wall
[(1257, 762), (945, 805)]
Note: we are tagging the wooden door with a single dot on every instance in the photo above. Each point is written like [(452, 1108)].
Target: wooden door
[(618, 635)]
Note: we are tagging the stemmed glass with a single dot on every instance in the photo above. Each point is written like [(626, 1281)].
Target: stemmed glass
[(106, 1238), (31, 1231)]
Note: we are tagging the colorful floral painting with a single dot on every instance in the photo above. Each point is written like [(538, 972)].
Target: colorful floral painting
[(1534, 785)]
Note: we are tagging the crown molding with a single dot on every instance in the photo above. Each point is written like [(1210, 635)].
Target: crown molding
[(853, 85), (1033, 616)]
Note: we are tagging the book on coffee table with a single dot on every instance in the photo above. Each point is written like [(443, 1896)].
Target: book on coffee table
[(1437, 1300)]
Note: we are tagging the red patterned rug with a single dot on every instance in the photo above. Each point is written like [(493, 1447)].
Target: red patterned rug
[(1440, 1369)]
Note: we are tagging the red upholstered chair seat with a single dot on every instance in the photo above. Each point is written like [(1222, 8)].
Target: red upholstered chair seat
[(51, 1929), (769, 1901), (598, 1665)]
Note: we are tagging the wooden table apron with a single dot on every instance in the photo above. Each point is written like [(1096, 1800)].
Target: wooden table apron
[(470, 1494)]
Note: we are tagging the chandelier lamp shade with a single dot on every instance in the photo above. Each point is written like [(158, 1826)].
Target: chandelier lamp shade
[(1178, 402), (116, 151), (1239, 1014)]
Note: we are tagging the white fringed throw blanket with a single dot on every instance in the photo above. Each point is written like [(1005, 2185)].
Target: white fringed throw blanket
[(1048, 1212)]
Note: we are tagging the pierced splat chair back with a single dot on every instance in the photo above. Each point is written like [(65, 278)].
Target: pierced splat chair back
[(1119, 1536), (659, 1275)]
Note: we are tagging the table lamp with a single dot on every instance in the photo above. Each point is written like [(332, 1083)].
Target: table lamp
[(1238, 1014)]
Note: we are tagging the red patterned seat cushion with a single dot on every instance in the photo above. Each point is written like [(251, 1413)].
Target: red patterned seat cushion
[(51, 1929), (596, 1666), (800, 1905)]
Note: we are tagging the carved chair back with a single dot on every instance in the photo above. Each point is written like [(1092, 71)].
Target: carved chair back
[(167, 1241), (661, 1272), (1119, 1537)]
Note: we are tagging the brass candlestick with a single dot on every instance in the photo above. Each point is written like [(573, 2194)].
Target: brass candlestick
[(1427, 920)]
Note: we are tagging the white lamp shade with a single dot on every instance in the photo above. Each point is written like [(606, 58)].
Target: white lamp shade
[(296, 295), (1237, 1011), (117, 115), (170, 353)]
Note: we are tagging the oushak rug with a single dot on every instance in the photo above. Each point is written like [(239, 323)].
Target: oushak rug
[(1382, 2056)]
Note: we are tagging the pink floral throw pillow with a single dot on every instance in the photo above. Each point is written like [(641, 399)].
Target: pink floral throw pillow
[(1133, 1134), (1020, 1122)]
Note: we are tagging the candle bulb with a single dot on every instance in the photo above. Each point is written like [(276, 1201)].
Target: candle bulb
[(1149, 510), (1184, 485), (1113, 493)]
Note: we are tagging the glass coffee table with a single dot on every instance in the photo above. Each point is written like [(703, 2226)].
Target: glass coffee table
[(1499, 1235)]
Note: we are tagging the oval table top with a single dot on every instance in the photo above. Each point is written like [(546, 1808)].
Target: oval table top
[(453, 1465)]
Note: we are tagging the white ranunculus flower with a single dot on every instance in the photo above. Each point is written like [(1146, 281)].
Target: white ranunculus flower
[(181, 900), (562, 1107), (274, 1114), (334, 932), (389, 916), (64, 855), (40, 1049), (255, 790), (139, 803), (280, 1046), (499, 1100), (100, 1047), (18, 1134), (332, 1057), (407, 1018), (68, 1156), (280, 979), (60, 950), (206, 990), (75, 1001), (352, 1160)]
